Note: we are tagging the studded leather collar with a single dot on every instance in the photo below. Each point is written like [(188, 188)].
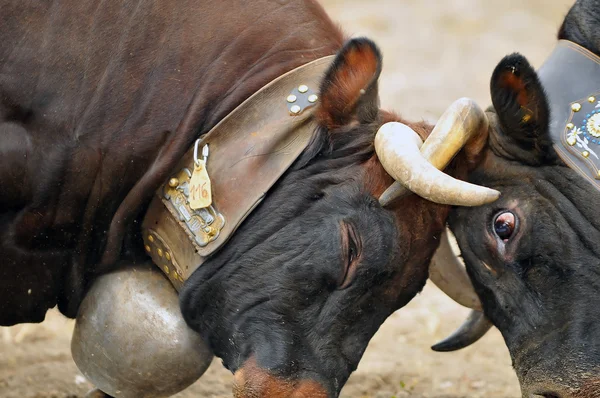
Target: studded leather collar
[(248, 151), (571, 78)]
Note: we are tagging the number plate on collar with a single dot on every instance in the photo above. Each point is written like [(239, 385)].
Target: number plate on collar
[(202, 225)]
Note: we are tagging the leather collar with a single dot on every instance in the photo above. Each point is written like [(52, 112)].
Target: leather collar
[(248, 151), (571, 78)]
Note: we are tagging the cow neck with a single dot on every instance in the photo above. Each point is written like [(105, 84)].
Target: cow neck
[(248, 151), (571, 78)]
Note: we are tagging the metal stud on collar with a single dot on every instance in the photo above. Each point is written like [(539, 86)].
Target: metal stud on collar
[(300, 99)]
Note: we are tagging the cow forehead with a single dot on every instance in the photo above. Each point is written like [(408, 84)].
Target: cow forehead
[(375, 177)]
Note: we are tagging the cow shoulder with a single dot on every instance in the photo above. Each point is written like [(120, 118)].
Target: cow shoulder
[(581, 25)]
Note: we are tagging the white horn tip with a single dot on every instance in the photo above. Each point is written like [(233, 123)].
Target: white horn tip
[(485, 196)]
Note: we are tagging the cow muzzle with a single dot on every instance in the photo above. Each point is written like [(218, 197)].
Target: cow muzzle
[(251, 381), (572, 383)]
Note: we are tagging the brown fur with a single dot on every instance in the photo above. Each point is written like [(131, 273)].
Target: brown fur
[(513, 82), (251, 381), (107, 97), (359, 70), (98, 103)]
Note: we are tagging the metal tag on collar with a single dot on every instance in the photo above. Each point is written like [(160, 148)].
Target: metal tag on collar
[(202, 225), (200, 189)]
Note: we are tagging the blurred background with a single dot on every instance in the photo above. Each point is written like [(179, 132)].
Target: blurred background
[(435, 51)]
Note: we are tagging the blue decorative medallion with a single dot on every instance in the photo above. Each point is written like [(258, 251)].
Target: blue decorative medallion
[(582, 132)]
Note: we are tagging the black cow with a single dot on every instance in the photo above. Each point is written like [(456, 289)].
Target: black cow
[(533, 256)]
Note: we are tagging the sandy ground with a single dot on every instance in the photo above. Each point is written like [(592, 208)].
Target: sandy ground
[(435, 51)]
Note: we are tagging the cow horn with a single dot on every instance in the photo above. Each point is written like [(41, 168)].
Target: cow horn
[(474, 328), (419, 170), (448, 273)]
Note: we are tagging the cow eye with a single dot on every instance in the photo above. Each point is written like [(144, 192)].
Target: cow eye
[(352, 248), (504, 225)]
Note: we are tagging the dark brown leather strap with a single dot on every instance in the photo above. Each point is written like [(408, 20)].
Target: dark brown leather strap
[(571, 78), (249, 151)]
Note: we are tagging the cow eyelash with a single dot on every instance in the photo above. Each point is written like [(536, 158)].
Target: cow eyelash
[(352, 250), (352, 254)]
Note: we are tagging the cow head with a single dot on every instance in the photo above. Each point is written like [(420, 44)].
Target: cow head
[(533, 255), (291, 302)]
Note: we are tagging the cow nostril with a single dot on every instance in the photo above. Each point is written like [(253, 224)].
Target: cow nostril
[(546, 395)]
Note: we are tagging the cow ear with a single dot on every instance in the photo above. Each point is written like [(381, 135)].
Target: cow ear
[(522, 109), (349, 89)]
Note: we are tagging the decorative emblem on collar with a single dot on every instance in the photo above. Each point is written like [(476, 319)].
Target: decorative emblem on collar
[(571, 78), (582, 132)]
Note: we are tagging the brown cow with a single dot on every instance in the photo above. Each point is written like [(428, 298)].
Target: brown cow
[(100, 100)]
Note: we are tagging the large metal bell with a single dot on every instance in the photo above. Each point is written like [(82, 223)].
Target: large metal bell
[(130, 339)]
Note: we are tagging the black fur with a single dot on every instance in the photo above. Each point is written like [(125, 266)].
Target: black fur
[(273, 292), (581, 25), (293, 256)]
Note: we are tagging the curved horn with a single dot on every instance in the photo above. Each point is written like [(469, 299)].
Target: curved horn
[(474, 328), (448, 273), (418, 171)]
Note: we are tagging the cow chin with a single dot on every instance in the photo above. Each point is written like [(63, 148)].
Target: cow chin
[(576, 381), (561, 364), (251, 381)]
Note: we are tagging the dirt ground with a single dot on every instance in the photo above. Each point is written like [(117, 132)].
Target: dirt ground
[(435, 51)]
